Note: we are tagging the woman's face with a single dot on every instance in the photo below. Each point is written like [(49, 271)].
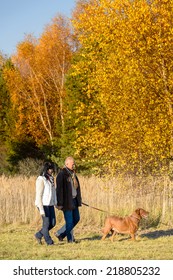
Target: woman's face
[(50, 171)]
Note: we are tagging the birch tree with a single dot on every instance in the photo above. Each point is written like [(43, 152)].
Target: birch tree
[(37, 82)]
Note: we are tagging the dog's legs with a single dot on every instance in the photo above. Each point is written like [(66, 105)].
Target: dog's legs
[(132, 236), (104, 236), (112, 237), (105, 231)]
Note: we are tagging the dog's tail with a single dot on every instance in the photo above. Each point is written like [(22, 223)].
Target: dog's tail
[(103, 230)]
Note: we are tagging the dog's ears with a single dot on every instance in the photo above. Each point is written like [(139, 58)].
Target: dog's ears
[(138, 211)]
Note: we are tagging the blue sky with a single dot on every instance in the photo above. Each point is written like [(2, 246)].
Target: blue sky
[(21, 17)]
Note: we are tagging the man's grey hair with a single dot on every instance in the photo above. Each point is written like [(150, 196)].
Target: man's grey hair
[(68, 159)]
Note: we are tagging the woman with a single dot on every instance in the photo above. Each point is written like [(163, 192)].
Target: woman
[(45, 201)]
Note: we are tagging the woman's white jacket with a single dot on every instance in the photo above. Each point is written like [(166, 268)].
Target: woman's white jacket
[(45, 194)]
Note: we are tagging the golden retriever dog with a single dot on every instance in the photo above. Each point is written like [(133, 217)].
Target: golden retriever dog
[(125, 225)]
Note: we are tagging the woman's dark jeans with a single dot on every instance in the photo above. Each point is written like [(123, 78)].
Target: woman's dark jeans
[(49, 221)]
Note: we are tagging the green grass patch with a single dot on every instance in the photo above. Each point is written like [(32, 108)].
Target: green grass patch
[(18, 243)]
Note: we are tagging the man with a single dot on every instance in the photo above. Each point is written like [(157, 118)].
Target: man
[(68, 198)]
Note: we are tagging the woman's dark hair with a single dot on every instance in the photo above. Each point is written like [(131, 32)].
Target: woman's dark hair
[(47, 165)]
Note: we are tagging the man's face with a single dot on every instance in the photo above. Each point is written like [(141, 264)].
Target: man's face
[(70, 164)]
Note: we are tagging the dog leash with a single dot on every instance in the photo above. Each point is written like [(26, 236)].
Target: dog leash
[(95, 208)]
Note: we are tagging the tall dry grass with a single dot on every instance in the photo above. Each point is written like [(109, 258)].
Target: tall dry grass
[(120, 195)]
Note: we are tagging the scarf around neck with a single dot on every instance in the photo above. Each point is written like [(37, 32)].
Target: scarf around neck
[(73, 177)]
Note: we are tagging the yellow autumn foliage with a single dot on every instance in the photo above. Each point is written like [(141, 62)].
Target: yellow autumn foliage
[(126, 59)]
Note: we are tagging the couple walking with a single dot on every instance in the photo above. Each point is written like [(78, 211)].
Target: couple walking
[(66, 197)]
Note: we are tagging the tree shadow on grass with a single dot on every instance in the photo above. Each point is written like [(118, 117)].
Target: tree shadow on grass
[(120, 237), (98, 237), (157, 233), (91, 238)]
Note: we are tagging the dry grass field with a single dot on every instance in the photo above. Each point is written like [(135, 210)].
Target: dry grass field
[(120, 196), (18, 243), (20, 219)]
